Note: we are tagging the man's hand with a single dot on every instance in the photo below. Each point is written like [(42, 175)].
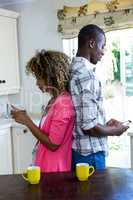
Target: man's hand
[(111, 128), (113, 122), (116, 127)]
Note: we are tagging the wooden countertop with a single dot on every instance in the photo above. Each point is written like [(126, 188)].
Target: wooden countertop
[(110, 184)]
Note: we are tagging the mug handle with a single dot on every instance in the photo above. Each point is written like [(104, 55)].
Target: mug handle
[(92, 168), (24, 176)]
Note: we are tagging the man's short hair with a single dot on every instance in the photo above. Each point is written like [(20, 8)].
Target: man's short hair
[(88, 32)]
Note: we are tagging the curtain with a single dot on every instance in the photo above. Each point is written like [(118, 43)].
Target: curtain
[(71, 20)]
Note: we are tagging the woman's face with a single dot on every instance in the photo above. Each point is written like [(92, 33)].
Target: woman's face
[(40, 84), (46, 88)]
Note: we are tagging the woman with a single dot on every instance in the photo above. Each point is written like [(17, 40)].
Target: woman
[(54, 135)]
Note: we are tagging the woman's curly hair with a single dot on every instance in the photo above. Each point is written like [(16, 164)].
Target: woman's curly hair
[(51, 66)]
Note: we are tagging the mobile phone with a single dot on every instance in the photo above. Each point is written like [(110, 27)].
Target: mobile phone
[(127, 123)]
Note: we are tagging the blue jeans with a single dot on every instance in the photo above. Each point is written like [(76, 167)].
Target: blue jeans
[(96, 159)]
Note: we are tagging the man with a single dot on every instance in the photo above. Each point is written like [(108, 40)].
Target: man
[(91, 129)]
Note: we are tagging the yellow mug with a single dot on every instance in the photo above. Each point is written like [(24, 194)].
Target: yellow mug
[(32, 174), (83, 171)]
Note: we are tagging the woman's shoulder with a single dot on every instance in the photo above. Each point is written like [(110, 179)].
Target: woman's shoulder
[(64, 99), (63, 106), (64, 96)]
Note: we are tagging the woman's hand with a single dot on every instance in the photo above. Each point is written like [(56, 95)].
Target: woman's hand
[(20, 116)]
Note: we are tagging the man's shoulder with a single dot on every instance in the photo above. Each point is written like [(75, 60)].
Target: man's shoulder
[(77, 65), (80, 67), (80, 72)]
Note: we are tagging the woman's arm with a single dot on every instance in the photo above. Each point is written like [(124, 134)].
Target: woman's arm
[(23, 118)]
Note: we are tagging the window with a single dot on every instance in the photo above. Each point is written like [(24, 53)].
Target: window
[(70, 47)]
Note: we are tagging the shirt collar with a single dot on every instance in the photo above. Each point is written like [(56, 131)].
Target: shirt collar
[(87, 63)]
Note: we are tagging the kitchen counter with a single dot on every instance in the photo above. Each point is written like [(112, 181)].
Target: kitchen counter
[(109, 184)]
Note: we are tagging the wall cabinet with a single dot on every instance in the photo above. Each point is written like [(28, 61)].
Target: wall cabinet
[(9, 69), (5, 152), (23, 143)]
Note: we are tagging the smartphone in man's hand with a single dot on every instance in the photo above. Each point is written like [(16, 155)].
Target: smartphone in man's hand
[(127, 123)]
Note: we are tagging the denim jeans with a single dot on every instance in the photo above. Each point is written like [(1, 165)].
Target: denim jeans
[(96, 159)]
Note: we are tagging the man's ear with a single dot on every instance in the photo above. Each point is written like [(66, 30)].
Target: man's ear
[(92, 43)]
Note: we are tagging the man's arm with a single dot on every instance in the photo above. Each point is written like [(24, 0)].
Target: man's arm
[(115, 128)]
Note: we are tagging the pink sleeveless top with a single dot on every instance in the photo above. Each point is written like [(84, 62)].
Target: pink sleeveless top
[(58, 125)]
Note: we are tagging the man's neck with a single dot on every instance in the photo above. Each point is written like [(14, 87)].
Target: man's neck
[(82, 53)]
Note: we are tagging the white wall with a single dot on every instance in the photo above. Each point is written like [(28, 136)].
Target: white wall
[(37, 29)]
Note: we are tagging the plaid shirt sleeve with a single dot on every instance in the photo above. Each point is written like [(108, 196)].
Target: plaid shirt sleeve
[(89, 89)]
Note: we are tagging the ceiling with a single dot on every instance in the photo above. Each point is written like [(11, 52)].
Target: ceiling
[(11, 2)]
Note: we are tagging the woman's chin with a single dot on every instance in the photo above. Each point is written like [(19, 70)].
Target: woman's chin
[(42, 89)]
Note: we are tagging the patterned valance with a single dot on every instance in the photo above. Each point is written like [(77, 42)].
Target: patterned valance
[(112, 15)]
